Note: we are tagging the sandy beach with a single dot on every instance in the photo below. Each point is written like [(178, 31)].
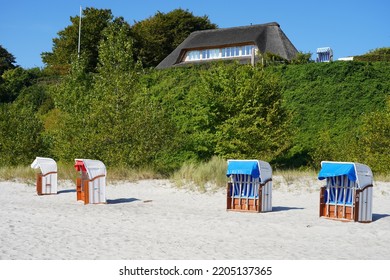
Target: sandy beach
[(154, 220)]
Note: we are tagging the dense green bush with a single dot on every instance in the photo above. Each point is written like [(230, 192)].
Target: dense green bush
[(20, 138), (229, 110), (380, 54), (330, 103)]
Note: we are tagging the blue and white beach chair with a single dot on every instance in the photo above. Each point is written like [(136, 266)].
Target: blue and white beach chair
[(250, 186), (348, 191)]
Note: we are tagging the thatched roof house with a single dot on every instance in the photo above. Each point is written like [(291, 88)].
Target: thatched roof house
[(239, 43)]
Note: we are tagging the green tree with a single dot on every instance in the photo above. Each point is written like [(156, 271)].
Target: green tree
[(302, 58), (115, 85), (7, 61), (20, 137), (66, 126), (255, 125), (157, 36), (65, 46), (174, 91), (15, 80), (130, 127), (225, 109)]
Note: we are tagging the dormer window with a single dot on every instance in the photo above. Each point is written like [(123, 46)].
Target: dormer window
[(217, 53), (193, 55)]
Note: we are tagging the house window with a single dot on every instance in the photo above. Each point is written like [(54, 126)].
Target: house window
[(228, 52), (192, 55), (214, 53), (211, 54), (236, 51), (247, 50), (231, 51)]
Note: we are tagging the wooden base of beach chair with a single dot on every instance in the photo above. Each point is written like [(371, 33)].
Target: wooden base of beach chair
[(337, 212), (242, 204), (39, 183), (79, 191), (86, 192), (82, 190), (357, 212)]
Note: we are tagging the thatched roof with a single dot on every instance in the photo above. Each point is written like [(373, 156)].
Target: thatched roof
[(267, 37)]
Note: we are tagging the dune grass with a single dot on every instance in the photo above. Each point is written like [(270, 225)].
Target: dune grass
[(131, 174), (12, 173), (382, 177), (212, 175), (68, 172), (204, 176)]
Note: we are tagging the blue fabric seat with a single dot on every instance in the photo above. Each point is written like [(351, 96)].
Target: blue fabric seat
[(247, 184), (337, 188)]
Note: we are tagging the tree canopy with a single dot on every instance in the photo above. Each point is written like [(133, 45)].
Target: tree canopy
[(157, 36), (65, 46), (154, 38), (7, 60)]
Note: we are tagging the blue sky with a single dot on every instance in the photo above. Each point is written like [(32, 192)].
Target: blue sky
[(348, 27)]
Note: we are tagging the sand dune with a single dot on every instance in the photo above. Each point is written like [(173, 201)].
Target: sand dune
[(152, 219)]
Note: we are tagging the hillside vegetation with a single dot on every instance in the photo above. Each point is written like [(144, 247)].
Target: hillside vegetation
[(293, 116), (340, 112)]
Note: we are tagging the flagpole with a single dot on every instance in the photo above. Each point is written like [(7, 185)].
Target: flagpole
[(78, 47)]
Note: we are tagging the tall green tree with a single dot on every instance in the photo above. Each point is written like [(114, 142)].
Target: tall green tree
[(157, 36), (115, 85), (67, 124), (65, 46), (130, 126)]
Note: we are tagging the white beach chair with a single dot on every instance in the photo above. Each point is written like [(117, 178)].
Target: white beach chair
[(91, 184), (47, 177)]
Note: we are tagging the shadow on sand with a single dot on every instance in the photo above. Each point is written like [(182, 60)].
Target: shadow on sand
[(66, 191), (121, 200), (283, 208), (376, 217)]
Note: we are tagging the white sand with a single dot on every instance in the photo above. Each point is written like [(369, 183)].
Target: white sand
[(151, 219)]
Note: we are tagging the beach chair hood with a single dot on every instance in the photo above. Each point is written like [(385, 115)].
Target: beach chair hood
[(93, 168), (255, 168), (46, 165), (355, 172)]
